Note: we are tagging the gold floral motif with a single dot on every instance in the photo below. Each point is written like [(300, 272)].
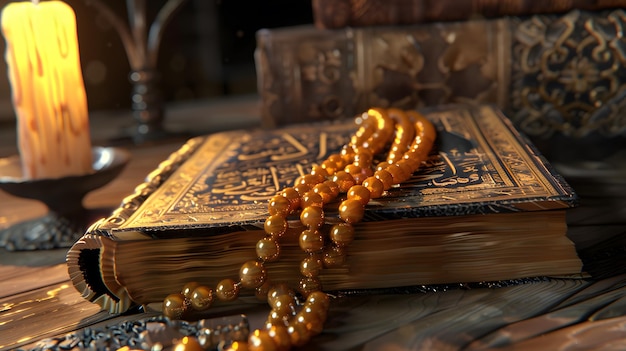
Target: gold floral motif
[(565, 69)]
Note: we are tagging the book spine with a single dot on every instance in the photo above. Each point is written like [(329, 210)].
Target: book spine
[(330, 14), (306, 74), (561, 74)]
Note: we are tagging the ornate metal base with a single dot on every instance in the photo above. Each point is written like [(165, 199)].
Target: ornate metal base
[(50, 231), (154, 333), (67, 219)]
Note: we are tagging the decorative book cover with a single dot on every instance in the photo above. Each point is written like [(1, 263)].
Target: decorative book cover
[(329, 14), (549, 73), (205, 207)]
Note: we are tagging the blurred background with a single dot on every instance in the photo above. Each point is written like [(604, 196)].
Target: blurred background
[(206, 52)]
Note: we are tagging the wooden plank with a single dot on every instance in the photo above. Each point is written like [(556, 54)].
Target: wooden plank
[(44, 312), (21, 279)]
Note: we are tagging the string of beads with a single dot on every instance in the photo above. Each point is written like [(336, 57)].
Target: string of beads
[(408, 136)]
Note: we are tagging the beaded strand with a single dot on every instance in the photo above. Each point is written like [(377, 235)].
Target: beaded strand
[(350, 172)]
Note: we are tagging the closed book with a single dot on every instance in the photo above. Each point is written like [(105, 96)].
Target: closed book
[(550, 74), (343, 13), (484, 206)]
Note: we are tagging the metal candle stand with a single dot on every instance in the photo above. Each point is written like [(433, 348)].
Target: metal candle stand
[(67, 218), (141, 43)]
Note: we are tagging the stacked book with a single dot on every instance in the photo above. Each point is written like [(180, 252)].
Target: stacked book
[(554, 67)]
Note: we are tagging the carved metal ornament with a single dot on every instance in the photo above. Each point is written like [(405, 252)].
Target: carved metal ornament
[(569, 75)]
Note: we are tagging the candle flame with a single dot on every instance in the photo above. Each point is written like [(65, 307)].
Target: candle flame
[(35, 2)]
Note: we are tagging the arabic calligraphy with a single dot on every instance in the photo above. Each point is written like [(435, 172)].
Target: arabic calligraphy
[(232, 175)]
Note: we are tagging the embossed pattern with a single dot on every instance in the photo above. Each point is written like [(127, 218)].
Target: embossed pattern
[(565, 70), (552, 74)]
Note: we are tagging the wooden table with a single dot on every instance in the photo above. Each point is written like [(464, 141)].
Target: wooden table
[(38, 300)]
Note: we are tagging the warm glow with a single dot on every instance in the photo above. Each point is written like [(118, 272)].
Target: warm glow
[(47, 88)]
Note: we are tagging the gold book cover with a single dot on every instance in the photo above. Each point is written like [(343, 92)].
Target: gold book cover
[(485, 206)]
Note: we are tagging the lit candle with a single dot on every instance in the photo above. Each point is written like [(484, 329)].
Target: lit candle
[(47, 89)]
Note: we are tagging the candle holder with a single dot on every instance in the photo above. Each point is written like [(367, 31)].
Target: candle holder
[(141, 40), (67, 218)]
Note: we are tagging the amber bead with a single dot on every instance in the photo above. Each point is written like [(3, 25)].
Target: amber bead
[(308, 285), (284, 305), (347, 154), (275, 225), (330, 167), (275, 318), (342, 234), (318, 177), (262, 291), (418, 148), (384, 177), (375, 141), (188, 343), (360, 136), (334, 187), (375, 186), (281, 338), (201, 298), (298, 181), (311, 198), (394, 156), (311, 240), (353, 170), (368, 172), (344, 180), (299, 335), (414, 163), (302, 189), (277, 290), (398, 174), (174, 306), (260, 340), (360, 193), (363, 157), (325, 191), (318, 170), (338, 159), (319, 299), (311, 266), (227, 290), (278, 205), (237, 346), (312, 216), (334, 256), (311, 319), (351, 211), (319, 310), (311, 179), (188, 289), (406, 167), (294, 198), (252, 274), (267, 249), (358, 173)]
